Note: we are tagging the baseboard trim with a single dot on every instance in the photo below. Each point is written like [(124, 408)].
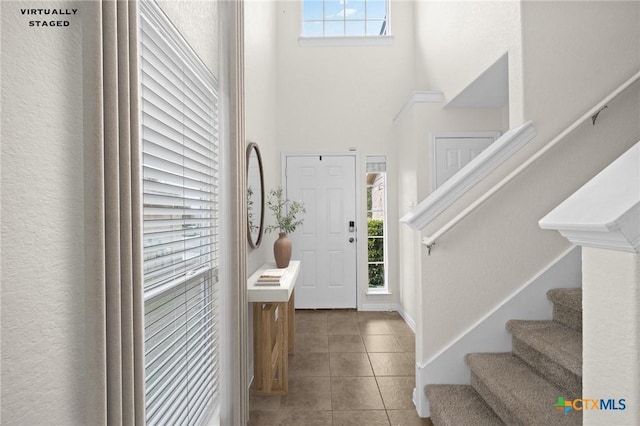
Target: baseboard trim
[(393, 307), (419, 396), (407, 318), (379, 307)]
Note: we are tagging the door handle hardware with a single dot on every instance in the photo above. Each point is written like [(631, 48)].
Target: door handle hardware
[(351, 239)]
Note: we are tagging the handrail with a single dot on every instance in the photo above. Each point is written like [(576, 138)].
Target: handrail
[(431, 240)]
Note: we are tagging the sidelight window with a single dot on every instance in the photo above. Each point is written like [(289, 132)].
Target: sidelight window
[(376, 179)]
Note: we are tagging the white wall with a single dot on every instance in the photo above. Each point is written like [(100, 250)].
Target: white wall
[(433, 120), (260, 106), (574, 54), (414, 137), (405, 133), (611, 335), (499, 247), (261, 119), (46, 219), (333, 98), (456, 41)]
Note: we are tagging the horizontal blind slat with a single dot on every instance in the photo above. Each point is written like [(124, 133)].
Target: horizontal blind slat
[(168, 97), (180, 143), (174, 394)]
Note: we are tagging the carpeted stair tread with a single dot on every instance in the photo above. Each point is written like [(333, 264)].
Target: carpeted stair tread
[(516, 392), (567, 306), (456, 405), (553, 350), (561, 344), (567, 297)]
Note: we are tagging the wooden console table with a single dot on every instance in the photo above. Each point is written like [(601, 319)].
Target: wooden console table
[(273, 329)]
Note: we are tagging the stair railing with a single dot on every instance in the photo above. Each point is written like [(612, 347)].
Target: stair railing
[(592, 114)]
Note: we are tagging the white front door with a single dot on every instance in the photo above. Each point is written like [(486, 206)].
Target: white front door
[(452, 152), (326, 242)]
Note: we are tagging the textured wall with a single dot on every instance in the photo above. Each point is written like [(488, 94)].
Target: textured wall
[(405, 132), (197, 21), (413, 135), (611, 333), (574, 54), (458, 40), (42, 219)]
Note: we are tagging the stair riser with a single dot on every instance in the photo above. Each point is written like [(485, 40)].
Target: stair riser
[(456, 405), (546, 367), (567, 316), (494, 402), (438, 419)]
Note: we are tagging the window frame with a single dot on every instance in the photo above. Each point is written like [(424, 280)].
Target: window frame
[(346, 40), (380, 162)]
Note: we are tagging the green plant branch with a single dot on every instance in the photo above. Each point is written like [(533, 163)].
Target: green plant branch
[(285, 211)]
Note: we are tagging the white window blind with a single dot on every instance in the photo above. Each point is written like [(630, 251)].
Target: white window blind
[(179, 120)]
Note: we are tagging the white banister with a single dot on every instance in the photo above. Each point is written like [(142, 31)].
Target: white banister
[(431, 240), (605, 212), (472, 173)]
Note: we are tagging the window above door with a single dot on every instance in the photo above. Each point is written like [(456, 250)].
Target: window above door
[(345, 22)]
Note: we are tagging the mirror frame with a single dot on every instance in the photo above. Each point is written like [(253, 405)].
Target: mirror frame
[(253, 147)]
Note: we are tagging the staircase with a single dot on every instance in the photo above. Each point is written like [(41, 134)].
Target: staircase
[(521, 387)]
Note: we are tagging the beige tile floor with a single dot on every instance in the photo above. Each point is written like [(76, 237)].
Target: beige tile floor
[(348, 368)]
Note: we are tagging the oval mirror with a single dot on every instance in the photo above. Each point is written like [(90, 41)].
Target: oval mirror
[(255, 195)]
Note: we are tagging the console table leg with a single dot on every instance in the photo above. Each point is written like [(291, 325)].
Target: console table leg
[(291, 318), (270, 348)]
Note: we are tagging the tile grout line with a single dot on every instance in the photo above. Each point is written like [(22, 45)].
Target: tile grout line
[(361, 338)]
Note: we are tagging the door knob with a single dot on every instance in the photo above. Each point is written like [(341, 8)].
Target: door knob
[(351, 239)]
